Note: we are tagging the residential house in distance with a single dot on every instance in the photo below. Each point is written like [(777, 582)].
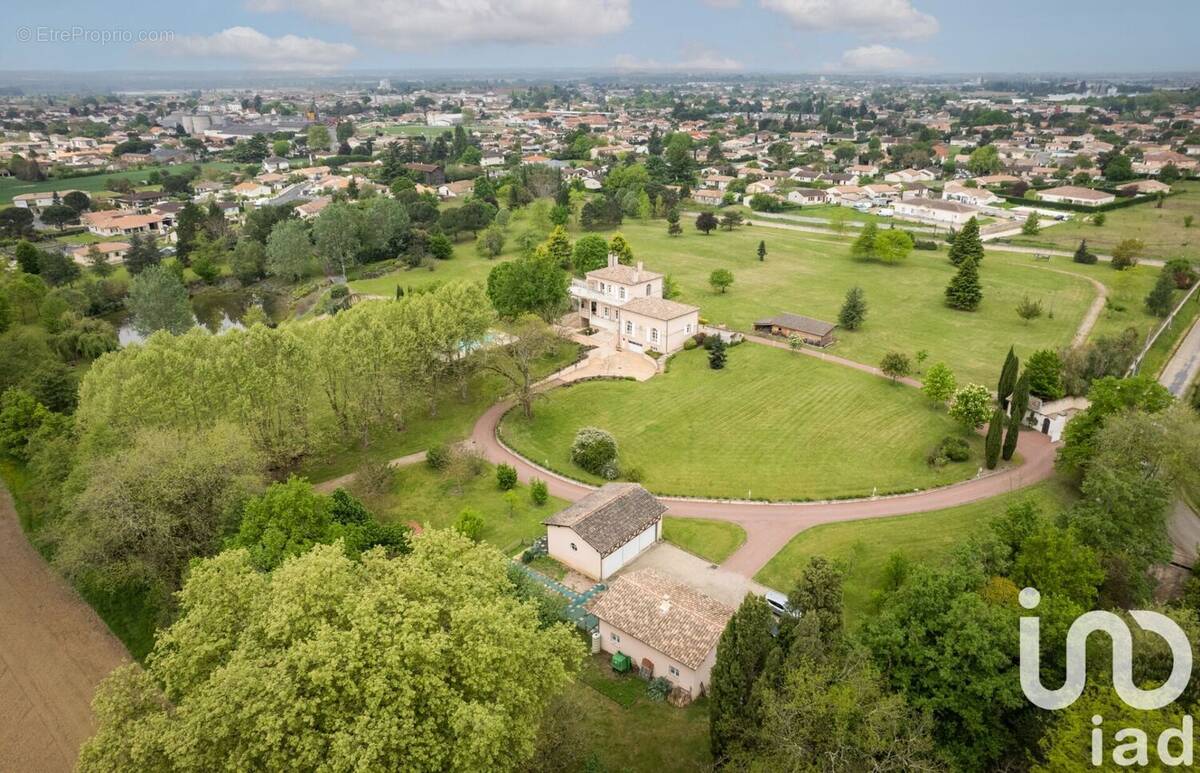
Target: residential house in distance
[(813, 331), (935, 210), (710, 196), (604, 531), (113, 252), (807, 196), (976, 197), (627, 300), (909, 176), (668, 629), (38, 200), (1072, 194), (121, 223), (275, 164), (430, 174)]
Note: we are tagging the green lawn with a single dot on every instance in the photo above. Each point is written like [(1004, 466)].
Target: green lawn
[(1161, 229), (434, 499), (627, 731), (771, 425), (11, 186), (863, 547), (711, 540), (453, 422), (807, 273), (465, 265)]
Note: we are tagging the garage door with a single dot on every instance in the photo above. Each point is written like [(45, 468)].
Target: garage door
[(646, 539), (629, 551)]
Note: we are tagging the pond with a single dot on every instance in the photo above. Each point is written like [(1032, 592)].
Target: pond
[(216, 310)]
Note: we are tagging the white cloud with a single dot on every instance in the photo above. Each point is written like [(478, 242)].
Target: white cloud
[(896, 19), (421, 24), (691, 59), (248, 46), (877, 58)]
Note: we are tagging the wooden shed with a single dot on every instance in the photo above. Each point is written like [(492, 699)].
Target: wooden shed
[(812, 331)]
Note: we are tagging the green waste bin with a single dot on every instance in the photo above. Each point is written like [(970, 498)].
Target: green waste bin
[(621, 662)]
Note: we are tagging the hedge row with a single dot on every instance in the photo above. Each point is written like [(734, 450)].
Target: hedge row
[(1120, 203)]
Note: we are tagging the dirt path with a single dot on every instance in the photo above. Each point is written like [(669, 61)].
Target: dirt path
[(1094, 310), (54, 650), (769, 526)]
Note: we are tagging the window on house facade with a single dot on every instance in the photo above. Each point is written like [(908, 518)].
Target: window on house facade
[(687, 328), (621, 293), (647, 289), (614, 637), (674, 671), (653, 334), (573, 547), (628, 327)]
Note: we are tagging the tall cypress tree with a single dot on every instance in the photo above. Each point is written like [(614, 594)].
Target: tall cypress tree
[(1016, 414), (967, 244), (964, 292), (995, 434), (742, 656), (1008, 378)]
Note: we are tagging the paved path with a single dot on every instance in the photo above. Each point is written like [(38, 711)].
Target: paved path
[(54, 650), (769, 526), (342, 481), (1184, 366)]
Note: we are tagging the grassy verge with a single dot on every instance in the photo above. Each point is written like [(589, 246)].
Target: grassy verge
[(863, 547), (453, 422), (711, 540), (628, 731), (434, 500)]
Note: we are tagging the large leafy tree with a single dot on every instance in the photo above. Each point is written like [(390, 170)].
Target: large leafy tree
[(141, 515), (536, 284), (338, 235), (329, 663), (159, 301), (290, 250)]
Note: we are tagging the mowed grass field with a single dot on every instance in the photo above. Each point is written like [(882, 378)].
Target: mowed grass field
[(11, 186), (809, 274), (772, 425), (863, 547), (1162, 230)]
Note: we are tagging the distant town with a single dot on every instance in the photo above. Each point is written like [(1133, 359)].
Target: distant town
[(603, 421)]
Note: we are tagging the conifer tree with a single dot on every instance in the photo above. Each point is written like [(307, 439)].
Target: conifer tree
[(964, 292), (967, 244), (995, 434)]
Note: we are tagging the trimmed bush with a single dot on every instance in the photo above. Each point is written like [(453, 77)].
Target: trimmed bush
[(595, 451), (950, 449), (506, 477), (539, 492), (438, 457)]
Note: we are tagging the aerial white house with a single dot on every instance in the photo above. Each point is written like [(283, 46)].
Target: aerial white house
[(628, 300)]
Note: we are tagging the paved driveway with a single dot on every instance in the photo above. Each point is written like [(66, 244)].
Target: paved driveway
[(721, 584)]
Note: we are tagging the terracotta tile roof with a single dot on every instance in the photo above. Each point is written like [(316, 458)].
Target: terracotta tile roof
[(610, 516), (673, 618)]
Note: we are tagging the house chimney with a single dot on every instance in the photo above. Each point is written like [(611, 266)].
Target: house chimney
[(612, 260), (638, 276)]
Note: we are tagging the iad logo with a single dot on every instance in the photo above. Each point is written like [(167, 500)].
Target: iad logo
[(1174, 746), (1122, 657)]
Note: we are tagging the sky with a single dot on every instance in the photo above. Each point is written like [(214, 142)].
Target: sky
[(727, 36)]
